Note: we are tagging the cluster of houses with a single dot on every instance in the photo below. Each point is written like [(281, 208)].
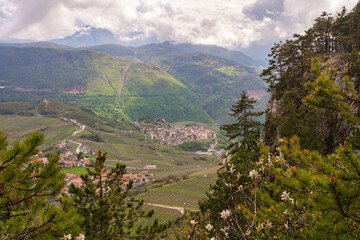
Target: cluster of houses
[(69, 160), (176, 134), (138, 180)]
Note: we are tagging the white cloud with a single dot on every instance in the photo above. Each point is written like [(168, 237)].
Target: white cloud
[(220, 22)]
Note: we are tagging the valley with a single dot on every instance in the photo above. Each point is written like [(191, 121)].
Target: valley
[(155, 108), (76, 143)]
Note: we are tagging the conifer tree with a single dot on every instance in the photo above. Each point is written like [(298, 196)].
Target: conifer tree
[(29, 207), (228, 192), (245, 131), (107, 211)]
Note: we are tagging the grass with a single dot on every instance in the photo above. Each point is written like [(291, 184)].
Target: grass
[(77, 170)]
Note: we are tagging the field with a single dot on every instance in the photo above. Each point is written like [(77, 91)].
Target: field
[(185, 193), (128, 147), (76, 170), (17, 127)]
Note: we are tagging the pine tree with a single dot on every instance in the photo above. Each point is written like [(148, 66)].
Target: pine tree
[(228, 193), (107, 211), (245, 131), (29, 203)]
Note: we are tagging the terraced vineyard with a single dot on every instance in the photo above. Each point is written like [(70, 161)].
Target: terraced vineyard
[(185, 193), (18, 126)]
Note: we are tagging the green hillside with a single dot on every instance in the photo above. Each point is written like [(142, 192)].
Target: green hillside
[(216, 82), (150, 92), (93, 80)]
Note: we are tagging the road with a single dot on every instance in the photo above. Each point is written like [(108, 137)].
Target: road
[(79, 145), (82, 127), (180, 209)]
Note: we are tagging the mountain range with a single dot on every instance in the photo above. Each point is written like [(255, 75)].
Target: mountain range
[(176, 82)]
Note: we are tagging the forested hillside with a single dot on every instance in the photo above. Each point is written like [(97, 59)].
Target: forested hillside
[(334, 42), (215, 82), (95, 81)]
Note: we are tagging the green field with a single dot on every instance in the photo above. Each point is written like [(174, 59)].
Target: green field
[(76, 170), (185, 193)]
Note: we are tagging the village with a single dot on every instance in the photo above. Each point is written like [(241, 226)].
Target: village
[(70, 160), (166, 134), (174, 134)]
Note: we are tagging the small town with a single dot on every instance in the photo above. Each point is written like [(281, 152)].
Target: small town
[(69, 160), (174, 134)]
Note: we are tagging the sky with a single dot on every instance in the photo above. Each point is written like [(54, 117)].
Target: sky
[(235, 24)]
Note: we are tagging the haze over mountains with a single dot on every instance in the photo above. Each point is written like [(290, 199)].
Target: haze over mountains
[(175, 82)]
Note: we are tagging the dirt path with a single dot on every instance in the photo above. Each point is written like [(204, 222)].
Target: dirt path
[(82, 128), (180, 209), (78, 148), (123, 81)]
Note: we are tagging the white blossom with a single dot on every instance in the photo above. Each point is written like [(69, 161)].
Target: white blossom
[(225, 214), (213, 238), (67, 237), (286, 196), (209, 227), (192, 222), (285, 212), (80, 237), (253, 174)]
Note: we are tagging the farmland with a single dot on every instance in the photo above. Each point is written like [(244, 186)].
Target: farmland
[(17, 127), (128, 147), (185, 193)]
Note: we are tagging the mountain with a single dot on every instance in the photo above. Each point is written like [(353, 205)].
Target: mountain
[(221, 52), (90, 36), (95, 81), (43, 44), (216, 82)]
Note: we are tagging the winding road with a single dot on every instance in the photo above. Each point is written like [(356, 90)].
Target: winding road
[(82, 128)]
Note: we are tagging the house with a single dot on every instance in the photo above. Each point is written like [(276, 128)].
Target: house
[(150, 167), (43, 161)]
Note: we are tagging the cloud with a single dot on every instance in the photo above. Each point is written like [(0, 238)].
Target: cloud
[(264, 8), (228, 23)]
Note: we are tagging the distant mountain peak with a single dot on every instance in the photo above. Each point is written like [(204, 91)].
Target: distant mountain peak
[(88, 36)]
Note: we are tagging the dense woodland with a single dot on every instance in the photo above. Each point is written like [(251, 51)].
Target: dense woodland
[(300, 180)]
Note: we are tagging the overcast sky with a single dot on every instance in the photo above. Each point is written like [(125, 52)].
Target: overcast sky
[(228, 23)]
